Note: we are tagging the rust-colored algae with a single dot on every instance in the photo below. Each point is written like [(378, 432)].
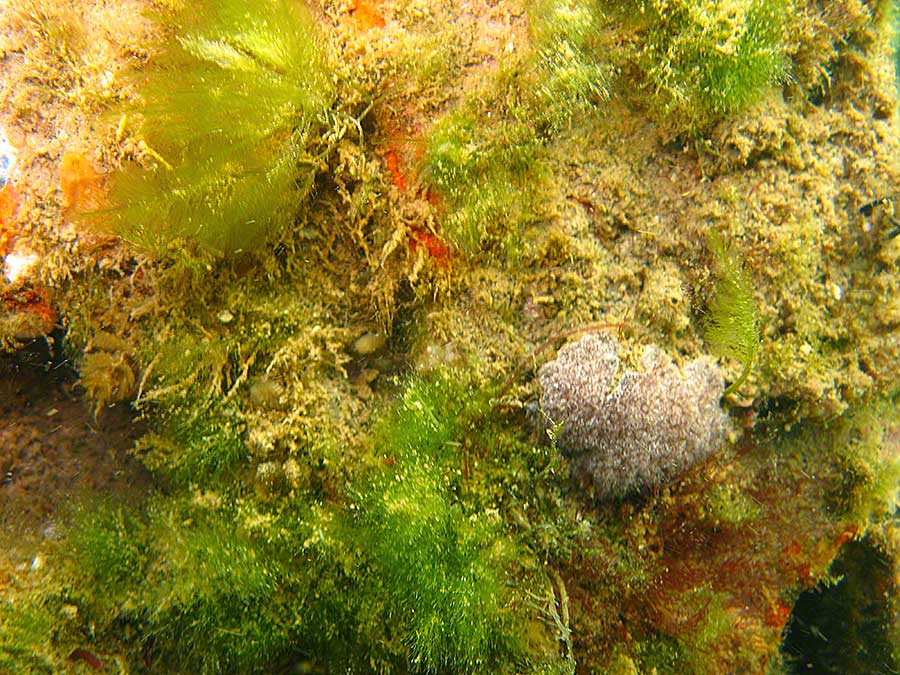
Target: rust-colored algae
[(9, 204)]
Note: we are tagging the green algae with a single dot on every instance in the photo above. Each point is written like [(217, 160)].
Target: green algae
[(867, 473), (483, 172), (233, 112), (441, 565), (194, 448), (24, 632), (708, 60), (181, 573), (731, 326), (216, 578), (487, 172), (572, 75), (111, 544)]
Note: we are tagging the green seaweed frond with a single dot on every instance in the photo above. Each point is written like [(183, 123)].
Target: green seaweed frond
[(25, 635), (486, 158), (215, 602), (443, 568), (731, 324), (232, 112), (191, 448)]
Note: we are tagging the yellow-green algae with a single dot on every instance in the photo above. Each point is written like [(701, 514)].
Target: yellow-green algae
[(730, 325), (278, 450), (237, 113)]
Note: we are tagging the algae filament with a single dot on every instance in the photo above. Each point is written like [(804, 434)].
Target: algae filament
[(441, 566), (231, 111), (398, 571)]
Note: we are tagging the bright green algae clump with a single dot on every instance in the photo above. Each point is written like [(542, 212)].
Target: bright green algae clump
[(709, 59), (233, 112), (441, 563)]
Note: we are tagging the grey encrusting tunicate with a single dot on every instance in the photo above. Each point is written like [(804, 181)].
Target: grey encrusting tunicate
[(627, 430)]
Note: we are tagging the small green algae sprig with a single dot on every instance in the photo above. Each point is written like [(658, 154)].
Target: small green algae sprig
[(731, 327), (707, 59), (217, 603), (193, 448), (232, 111)]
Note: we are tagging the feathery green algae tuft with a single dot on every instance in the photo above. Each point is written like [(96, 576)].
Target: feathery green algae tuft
[(572, 74), (731, 323), (232, 112), (704, 60), (485, 173), (110, 546), (443, 565), (192, 448), (487, 157), (184, 572), (25, 634)]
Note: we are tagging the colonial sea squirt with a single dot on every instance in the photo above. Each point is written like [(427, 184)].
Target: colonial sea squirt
[(632, 429)]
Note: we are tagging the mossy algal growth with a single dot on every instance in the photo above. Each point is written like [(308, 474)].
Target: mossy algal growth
[(486, 157), (350, 470), (708, 59), (403, 565), (236, 113)]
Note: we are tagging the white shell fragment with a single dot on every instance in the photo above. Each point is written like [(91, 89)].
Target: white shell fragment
[(7, 158)]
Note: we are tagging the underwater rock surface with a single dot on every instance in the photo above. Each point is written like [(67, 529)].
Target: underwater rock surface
[(321, 248), (627, 431)]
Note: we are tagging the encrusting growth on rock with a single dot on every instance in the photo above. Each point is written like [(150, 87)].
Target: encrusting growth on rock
[(633, 429)]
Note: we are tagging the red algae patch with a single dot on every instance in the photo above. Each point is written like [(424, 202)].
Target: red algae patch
[(9, 204), (366, 14)]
